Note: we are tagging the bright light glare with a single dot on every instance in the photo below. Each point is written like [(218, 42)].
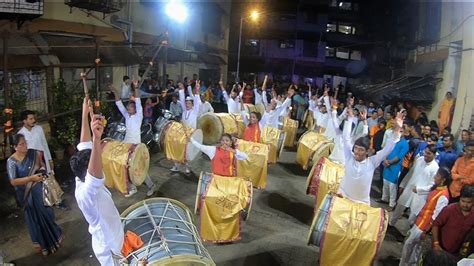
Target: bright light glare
[(254, 15), (176, 11)]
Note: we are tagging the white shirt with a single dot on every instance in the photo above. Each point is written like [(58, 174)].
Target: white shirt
[(211, 151), (205, 107), (274, 115), (421, 175), (189, 117), (96, 204), (259, 97), (233, 105), (35, 139), (357, 180), (132, 122), (125, 91)]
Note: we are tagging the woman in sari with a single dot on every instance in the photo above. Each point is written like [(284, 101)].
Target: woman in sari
[(25, 171), (446, 111)]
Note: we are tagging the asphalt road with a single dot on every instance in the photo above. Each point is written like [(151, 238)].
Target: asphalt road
[(275, 234)]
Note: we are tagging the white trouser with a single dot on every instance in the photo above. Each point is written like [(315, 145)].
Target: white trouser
[(412, 249), (389, 193)]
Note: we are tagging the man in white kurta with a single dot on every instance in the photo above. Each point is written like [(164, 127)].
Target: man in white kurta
[(34, 136), (93, 198), (190, 105), (420, 177), (357, 180), (233, 101), (276, 111), (133, 115)]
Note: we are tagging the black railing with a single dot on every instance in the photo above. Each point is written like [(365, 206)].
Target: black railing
[(27, 7), (103, 6)]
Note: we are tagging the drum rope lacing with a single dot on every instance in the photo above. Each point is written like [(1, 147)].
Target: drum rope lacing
[(164, 242)]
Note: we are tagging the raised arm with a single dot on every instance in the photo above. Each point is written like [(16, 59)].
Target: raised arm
[(346, 136), (244, 115), (208, 150), (224, 92), (240, 155), (182, 97), (85, 130), (380, 155), (95, 162), (263, 121), (197, 98)]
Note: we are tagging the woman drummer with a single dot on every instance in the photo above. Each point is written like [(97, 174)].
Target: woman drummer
[(222, 157), (254, 126)]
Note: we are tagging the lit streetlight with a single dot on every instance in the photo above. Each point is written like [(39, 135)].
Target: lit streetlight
[(254, 15), (176, 11)]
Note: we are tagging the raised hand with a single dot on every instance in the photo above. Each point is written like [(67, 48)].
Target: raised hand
[(363, 114), (198, 86), (221, 84), (97, 126), (399, 121)]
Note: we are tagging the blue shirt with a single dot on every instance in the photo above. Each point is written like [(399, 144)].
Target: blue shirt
[(421, 148), (392, 172), (446, 158), (459, 147)]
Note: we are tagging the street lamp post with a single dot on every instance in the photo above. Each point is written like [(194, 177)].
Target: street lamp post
[(254, 15), (238, 52)]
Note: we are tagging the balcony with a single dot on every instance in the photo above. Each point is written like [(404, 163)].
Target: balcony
[(103, 6)]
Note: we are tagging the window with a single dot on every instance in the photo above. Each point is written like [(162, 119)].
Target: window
[(331, 27), (342, 53), (330, 52), (346, 29), (310, 49), (286, 44), (356, 55), (345, 5), (251, 43)]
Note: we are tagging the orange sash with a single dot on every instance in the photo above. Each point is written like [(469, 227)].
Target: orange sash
[(252, 133), (223, 163)]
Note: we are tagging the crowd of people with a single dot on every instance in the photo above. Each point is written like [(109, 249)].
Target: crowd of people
[(427, 172)]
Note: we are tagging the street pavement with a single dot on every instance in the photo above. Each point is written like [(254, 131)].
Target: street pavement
[(275, 234)]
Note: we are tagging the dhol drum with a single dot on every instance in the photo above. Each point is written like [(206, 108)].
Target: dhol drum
[(274, 138), (213, 125), (168, 233), (341, 225), (313, 146), (175, 141), (123, 162), (204, 180), (308, 120), (255, 167), (290, 127), (324, 178), (222, 206)]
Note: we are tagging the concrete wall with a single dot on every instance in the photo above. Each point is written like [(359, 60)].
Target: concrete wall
[(150, 19), (459, 67)]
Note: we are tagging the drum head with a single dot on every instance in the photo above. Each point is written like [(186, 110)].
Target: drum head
[(167, 230), (161, 132), (191, 151), (319, 222), (204, 179), (139, 162), (260, 108), (249, 108), (211, 127)]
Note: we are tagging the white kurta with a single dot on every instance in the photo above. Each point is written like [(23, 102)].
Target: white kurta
[(35, 139), (421, 176), (357, 180), (133, 122)]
